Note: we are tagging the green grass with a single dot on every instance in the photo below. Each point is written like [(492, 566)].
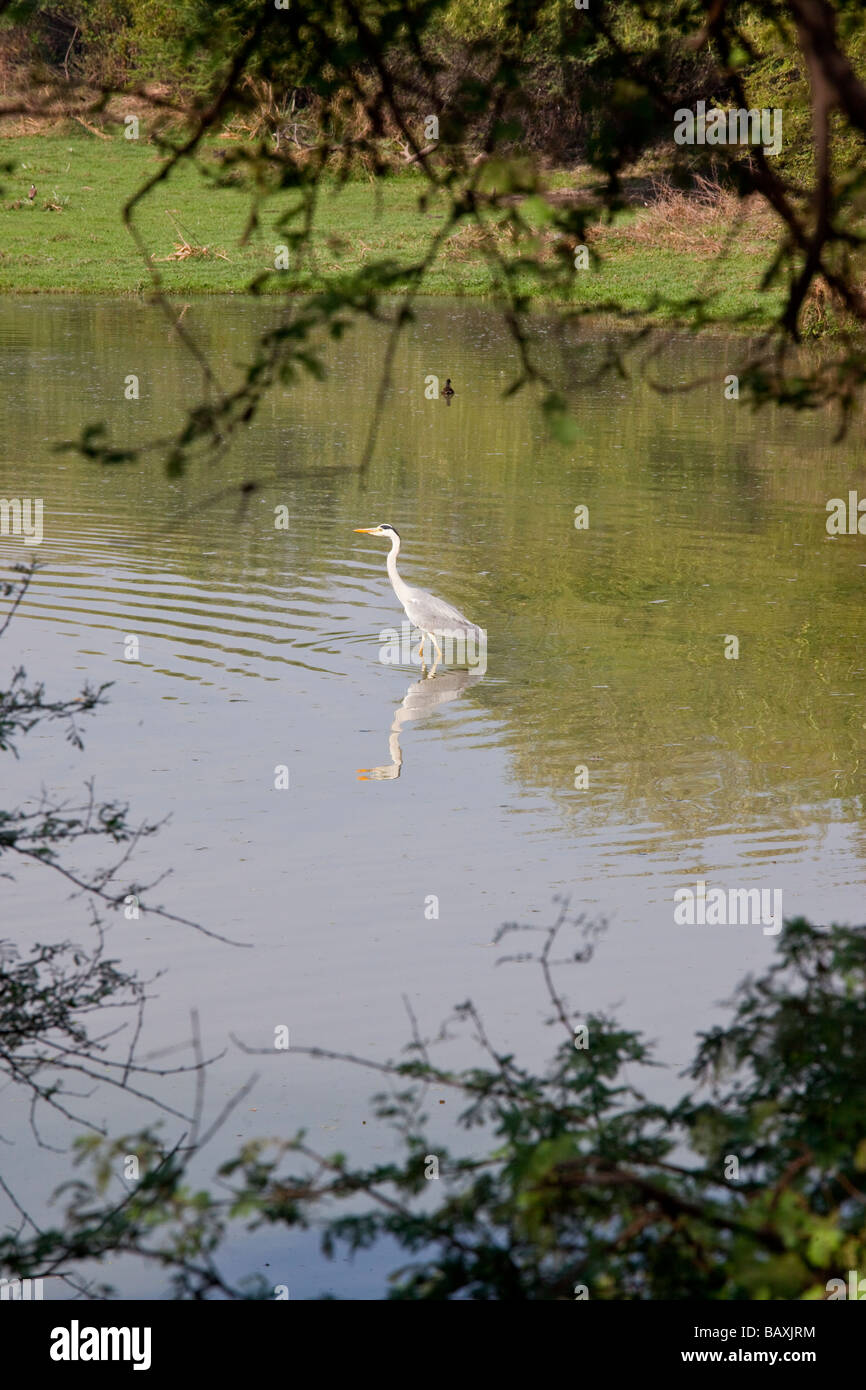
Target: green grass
[(85, 249)]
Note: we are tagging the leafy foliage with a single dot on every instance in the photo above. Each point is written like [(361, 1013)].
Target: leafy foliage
[(587, 1188), (325, 91)]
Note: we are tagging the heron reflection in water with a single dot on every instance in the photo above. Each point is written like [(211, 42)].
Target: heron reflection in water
[(420, 699)]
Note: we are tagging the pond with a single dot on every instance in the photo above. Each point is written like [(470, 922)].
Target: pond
[(619, 746)]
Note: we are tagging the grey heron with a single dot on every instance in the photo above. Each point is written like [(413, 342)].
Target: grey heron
[(431, 615)]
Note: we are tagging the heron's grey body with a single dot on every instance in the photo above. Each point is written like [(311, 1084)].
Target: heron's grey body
[(428, 613)]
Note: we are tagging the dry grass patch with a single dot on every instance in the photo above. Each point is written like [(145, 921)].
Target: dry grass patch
[(185, 249), (475, 239), (505, 240), (699, 221)]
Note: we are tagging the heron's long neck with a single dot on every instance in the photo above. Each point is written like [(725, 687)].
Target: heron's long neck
[(400, 589)]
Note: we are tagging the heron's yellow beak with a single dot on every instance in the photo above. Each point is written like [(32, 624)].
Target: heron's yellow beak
[(366, 530)]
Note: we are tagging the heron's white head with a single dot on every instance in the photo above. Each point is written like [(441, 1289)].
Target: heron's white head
[(383, 530)]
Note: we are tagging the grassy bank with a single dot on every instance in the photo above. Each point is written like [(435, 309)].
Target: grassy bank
[(71, 239)]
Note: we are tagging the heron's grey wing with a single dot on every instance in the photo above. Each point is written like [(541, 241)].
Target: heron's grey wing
[(435, 615)]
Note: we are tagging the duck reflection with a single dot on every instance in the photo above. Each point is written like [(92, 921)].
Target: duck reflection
[(420, 699)]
